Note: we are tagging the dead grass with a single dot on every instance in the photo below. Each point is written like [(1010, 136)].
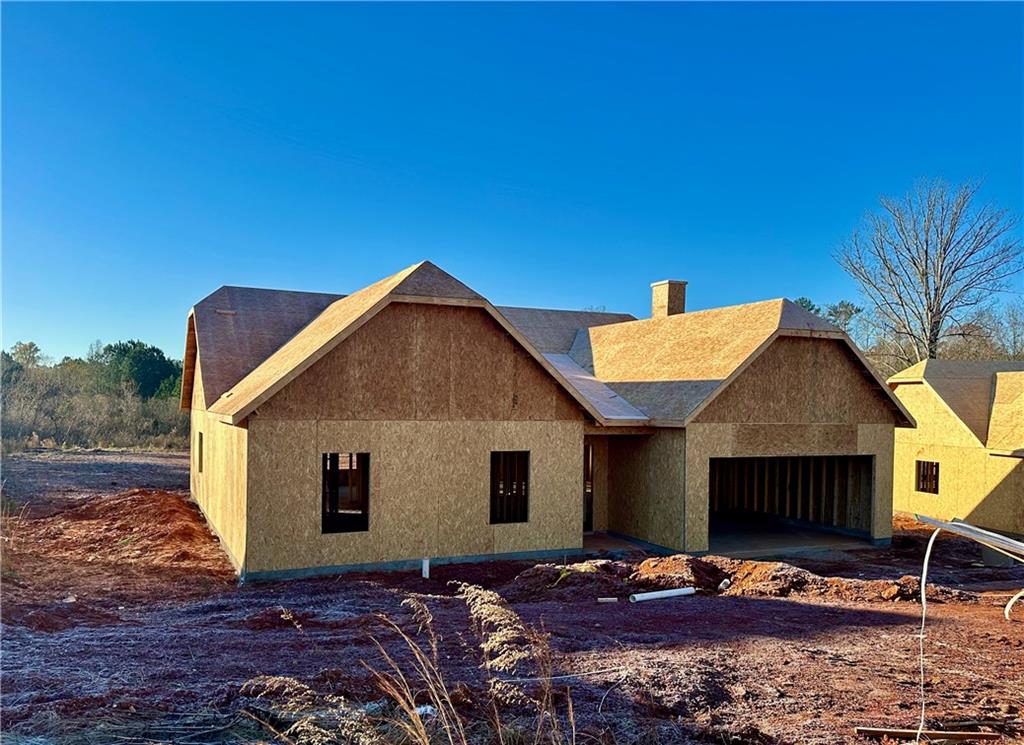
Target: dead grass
[(425, 707)]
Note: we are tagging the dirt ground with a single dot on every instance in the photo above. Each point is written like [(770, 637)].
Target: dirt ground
[(123, 622)]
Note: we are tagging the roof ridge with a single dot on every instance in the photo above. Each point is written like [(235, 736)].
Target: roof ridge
[(566, 310), (800, 318), (428, 279), (274, 289)]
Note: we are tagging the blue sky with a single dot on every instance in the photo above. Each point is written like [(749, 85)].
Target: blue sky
[(556, 155)]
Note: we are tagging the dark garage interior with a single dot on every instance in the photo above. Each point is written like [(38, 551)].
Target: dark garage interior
[(761, 505)]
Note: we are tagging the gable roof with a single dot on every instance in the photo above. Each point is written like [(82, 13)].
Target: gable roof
[(623, 371), (983, 394), (672, 367), (703, 345), (424, 283)]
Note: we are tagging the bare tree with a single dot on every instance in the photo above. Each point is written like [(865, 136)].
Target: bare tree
[(976, 340), (929, 263), (1011, 329)]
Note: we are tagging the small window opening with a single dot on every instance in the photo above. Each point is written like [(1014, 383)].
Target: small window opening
[(928, 476), (346, 492), (199, 456), (510, 486)]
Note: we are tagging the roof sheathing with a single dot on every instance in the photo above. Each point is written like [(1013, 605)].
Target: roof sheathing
[(422, 282), (553, 331), (316, 338), (672, 367), (613, 407), (969, 388), (1006, 426), (702, 346), (245, 326), (624, 371)]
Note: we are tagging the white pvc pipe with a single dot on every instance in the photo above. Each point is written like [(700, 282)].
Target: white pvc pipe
[(658, 594), (426, 569)]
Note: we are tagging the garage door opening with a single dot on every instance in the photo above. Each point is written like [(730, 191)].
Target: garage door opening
[(761, 506)]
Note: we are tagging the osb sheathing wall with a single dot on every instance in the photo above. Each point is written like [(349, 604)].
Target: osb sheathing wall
[(799, 397), (425, 362), (429, 490), (600, 476), (220, 489), (647, 486), (974, 485), (428, 391)]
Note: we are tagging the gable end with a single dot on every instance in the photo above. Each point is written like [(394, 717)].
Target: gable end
[(415, 361)]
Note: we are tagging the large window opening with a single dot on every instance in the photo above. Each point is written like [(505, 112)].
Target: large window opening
[(510, 486), (346, 492)]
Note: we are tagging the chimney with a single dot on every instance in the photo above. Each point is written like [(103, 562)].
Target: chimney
[(668, 298)]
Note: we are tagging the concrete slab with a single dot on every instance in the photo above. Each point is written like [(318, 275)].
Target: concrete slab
[(760, 539), (595, 544)]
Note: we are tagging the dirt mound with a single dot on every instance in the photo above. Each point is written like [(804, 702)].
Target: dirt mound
[(778, 579), (134, 544), (670, 572), (590, 580), (586, 580), (905, 521), (156, 524), (766, 578)]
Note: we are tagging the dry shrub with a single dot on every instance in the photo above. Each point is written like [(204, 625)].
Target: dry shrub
[(505, 642), (296, 713), (418, 723), (426, 705)]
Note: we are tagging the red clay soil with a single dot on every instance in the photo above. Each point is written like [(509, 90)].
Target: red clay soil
[(779, 579), (123, 603), (108, 551)]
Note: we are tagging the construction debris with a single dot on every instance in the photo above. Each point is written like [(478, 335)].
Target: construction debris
[(639, 597), (929, 735)]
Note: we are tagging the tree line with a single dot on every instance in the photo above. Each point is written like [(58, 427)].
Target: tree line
[(119, 395)]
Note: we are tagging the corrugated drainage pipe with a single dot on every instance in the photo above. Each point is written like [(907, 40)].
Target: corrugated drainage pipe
[(659, 594)]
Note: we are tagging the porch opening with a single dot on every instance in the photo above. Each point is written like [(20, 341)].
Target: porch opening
[(764, 505)]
